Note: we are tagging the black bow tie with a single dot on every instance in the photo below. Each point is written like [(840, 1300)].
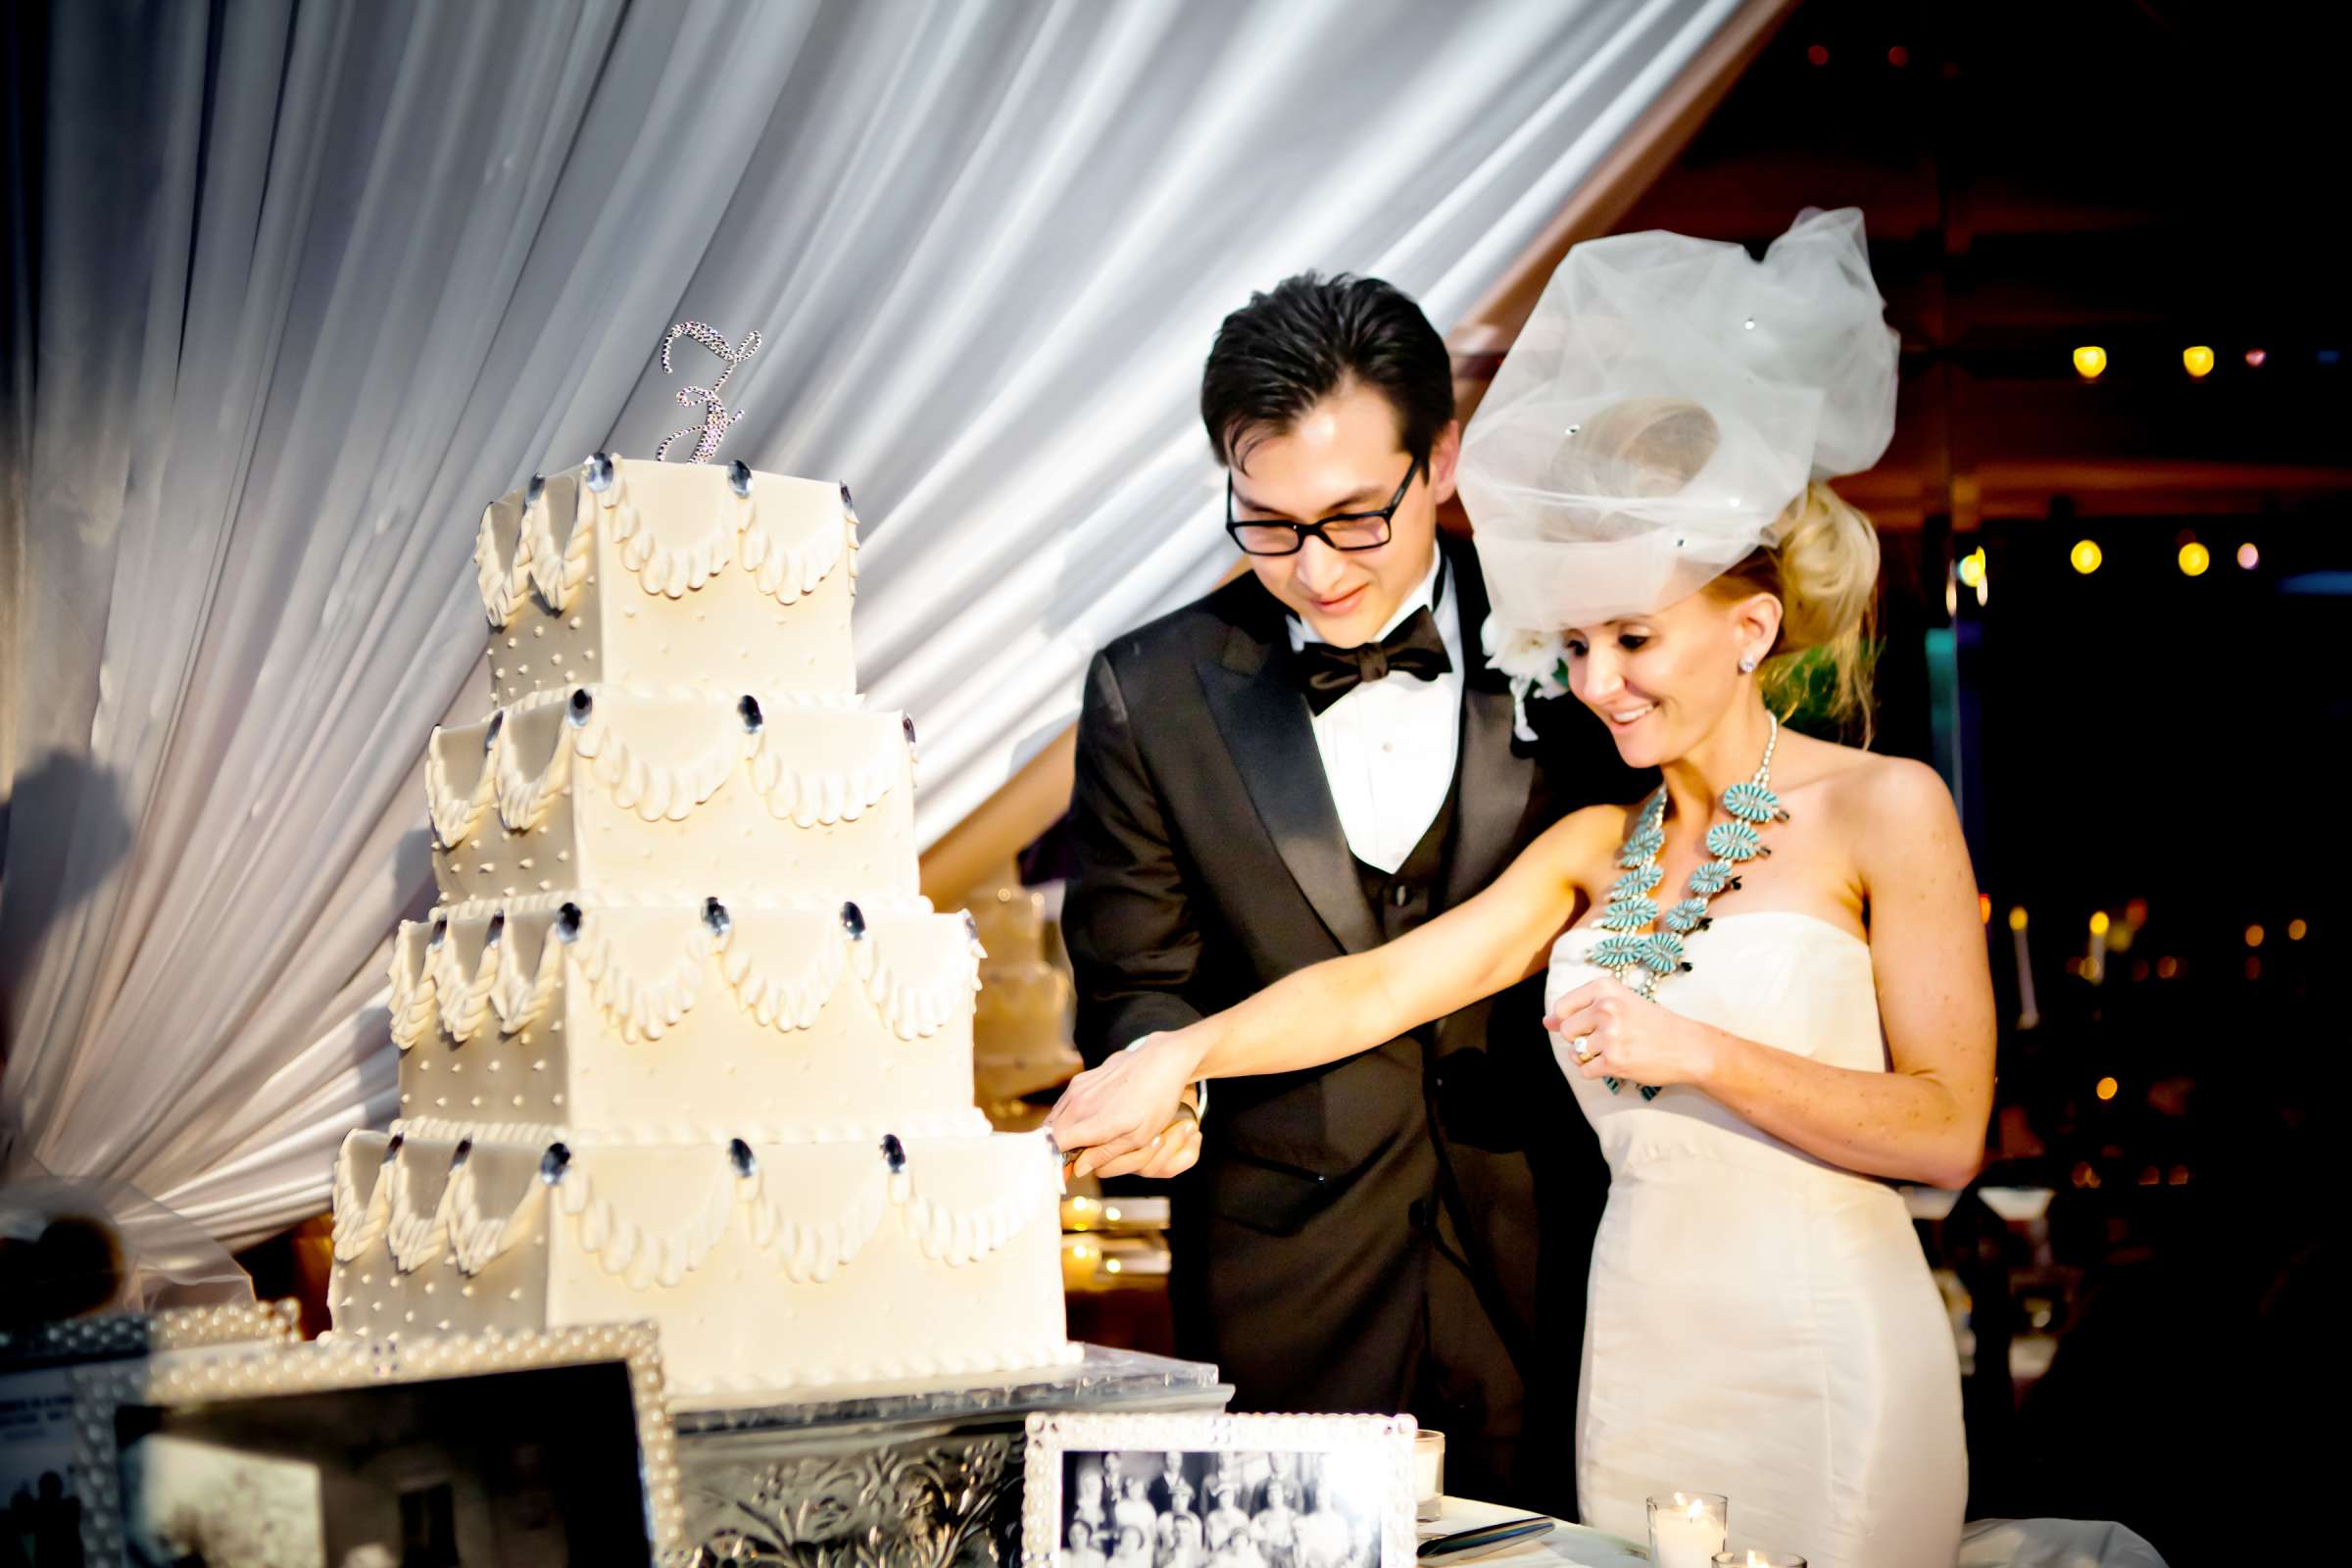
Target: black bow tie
[(1415, 649)]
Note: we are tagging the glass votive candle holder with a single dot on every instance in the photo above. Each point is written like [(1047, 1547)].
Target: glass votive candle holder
[(1750, 1558), (1686, 1529), (1429, 1475)]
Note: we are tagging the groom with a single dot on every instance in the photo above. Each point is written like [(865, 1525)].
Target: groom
[(1314, 760)]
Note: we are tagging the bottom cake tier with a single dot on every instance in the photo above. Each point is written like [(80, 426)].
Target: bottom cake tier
[(766, 1265)]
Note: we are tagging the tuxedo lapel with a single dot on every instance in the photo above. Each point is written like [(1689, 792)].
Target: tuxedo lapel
[(1494, 780), (1266, 726)]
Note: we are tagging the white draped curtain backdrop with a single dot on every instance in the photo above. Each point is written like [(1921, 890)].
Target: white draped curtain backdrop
[(294, 289)]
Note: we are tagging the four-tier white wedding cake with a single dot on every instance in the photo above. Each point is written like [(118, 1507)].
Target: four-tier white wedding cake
[(682, 1041)]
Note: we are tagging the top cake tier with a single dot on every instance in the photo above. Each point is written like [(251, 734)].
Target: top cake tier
[(669, 574)]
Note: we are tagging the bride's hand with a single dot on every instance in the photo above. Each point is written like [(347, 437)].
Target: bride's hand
[(1125, 1117), (1611, 1032)]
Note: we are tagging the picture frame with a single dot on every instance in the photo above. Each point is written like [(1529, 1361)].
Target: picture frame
[(1325, 1491), (41, 1504), (358, 1453), (106, 1334)]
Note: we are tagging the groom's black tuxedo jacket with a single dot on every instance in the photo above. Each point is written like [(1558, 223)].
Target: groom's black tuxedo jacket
[(1211, 863)]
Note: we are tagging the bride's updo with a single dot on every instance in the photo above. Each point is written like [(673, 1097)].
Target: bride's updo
[(1825, 573), (1823, 565)]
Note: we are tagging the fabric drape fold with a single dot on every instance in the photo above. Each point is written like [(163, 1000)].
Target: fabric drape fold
[(306, 285)]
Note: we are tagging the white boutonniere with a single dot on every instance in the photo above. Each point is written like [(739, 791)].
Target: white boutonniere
[(1537, 662)]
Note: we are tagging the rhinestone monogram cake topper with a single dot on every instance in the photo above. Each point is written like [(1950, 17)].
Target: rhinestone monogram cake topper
[(716, 417)]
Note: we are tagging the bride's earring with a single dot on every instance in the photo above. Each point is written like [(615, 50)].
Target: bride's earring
[(1747, 665)]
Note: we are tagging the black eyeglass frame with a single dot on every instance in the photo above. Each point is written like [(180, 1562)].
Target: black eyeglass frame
[(1301, 532)]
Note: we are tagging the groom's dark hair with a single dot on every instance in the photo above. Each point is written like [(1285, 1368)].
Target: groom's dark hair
[(1286, 349)]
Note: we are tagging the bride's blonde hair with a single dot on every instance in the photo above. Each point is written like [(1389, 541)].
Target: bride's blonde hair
[(1825, 573), (1824, 569)]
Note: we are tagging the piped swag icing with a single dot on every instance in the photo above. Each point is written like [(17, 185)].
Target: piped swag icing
[(782, 969), (780, 531), (523, 764), (431, 1203)]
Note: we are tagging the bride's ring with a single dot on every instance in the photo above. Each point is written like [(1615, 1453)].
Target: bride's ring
[(1582, 1054)]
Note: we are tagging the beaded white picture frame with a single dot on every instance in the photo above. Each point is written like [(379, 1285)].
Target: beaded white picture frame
[(179, 1327), (200, 1441), (1315, 1486)]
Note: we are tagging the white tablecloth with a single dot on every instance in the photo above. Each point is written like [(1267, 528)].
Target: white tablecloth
[(1568, 1543), (1987, 1543)]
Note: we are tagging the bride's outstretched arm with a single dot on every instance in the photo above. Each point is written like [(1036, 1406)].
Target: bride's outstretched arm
[(1924, 1121), (1114, 1113)]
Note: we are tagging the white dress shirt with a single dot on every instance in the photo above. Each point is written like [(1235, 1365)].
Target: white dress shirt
[(1389, 747)]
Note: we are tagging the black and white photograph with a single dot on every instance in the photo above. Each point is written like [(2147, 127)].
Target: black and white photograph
[(530, 1469), (523, 1452), (1178, 1492), (40, 1514), (511, 1470)]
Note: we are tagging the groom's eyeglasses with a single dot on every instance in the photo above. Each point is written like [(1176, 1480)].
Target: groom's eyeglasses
[(1349, 530)]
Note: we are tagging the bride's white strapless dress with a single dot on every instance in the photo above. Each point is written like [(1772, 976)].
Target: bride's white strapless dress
[(1761, 1324)]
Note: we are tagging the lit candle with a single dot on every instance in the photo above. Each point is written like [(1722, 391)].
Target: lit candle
[(1429, 1475), (1686, 1529), (2029, 1014)]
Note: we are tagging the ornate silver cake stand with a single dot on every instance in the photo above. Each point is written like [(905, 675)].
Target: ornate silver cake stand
[(895, 1475)]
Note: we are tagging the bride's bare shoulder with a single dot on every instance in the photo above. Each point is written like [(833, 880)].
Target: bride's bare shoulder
[(1879, 796), (1885, 783)]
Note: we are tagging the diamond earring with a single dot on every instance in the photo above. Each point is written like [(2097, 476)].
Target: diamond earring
[(1747, 665)]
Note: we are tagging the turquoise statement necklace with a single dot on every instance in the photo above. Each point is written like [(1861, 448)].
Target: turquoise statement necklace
[(1645, 942)]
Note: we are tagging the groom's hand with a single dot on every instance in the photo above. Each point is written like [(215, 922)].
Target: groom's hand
[(1174, 1152), (1126, 1115)]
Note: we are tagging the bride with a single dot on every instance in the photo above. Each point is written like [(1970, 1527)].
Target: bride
[(1768, 980)]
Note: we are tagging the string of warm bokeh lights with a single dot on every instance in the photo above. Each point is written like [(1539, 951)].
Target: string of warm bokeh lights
[(2193, 556), (1973, 572), (2199, 360)]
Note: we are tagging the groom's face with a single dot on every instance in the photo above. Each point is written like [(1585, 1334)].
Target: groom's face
[(1343, 456)]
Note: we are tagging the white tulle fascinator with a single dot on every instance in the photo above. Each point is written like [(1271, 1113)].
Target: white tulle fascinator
[(1665, 402)]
